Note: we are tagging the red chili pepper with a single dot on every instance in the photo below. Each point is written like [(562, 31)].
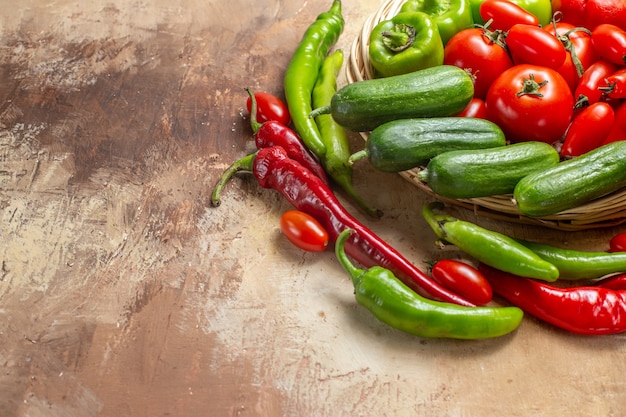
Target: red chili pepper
[(273, 168), (615, 282), (274, 133), (591, 310)]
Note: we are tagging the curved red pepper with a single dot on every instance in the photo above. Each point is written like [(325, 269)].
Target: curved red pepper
[(590, 310), (274, 169)]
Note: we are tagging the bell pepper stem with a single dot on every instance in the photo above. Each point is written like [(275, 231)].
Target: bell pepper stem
[(243, 164), (400, 38)]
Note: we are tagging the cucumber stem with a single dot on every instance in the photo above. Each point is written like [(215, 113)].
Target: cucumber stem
[(363, 153), (319, 111)]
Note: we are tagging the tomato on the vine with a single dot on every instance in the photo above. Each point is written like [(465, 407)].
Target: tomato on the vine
[(580, 53), (481, 53), (615, 85), (588, 129), (304, 231), (531, 102), (610, 43), (463, 279), (588, 90), (503, 14), (533, 45), (269, 107)]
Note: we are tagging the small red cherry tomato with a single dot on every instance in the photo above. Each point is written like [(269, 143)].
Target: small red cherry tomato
[(615, 85), (588, 130), (304, 231), (476, 108), (609, 41), (533, 45), (463, 279), (618, 243), (269, 107), (588, 90), (504, 14)]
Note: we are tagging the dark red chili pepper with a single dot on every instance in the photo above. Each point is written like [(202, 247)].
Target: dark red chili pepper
[(273, 168), (591, 310), (274, 133), (614, 282)]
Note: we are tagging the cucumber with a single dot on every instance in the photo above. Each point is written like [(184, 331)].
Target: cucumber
[(439, 91), (573, 182), (486, 172), (404, 144)]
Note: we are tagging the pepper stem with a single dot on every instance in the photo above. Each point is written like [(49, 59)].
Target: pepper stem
[(400, 38), (436, 221), (254, 124), (243, 164), (354, 272)]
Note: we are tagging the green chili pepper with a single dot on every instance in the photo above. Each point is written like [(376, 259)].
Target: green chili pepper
[(489, 247), (396, 305), (407, 42), (450, 16), (334, 136), (575, 265), (302, 72)]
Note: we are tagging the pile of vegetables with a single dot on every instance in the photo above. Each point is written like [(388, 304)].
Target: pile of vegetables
[(486, 97)]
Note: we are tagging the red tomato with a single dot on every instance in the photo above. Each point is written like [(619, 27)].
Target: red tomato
[(304, 231), (615, 85), (609, 41), (504, 14), (588, 89), (269, 107), (618, 132), (588, 130), (578, 41), (618, 243), (572, 11), (481, 53), (605, 11), (530, 103), (476, 108), (533, 45), (463, 279)]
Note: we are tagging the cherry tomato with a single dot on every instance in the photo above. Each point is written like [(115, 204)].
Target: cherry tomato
[(304, 231), (481, 53), (580, 54), (615, 85), (269, 107), (476, 108), (463, 279), (618, 243), (588, 130), (609, 41), (504, 14), (531, 102), (605, 11), (533, 45), (588, 89)]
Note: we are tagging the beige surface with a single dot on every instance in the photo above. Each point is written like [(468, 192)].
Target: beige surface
[(122, 293)]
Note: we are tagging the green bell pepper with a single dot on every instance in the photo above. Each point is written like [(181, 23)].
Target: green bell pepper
[(450, 16), (405, 43), (542, 9)]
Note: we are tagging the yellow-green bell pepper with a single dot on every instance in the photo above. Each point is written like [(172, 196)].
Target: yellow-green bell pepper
[(405, 43), (450, 16)]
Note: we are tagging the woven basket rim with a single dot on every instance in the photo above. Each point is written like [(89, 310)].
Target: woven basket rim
[(606, 211)]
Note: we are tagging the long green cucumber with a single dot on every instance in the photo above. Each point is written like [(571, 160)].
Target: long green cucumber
[(439, 91), (573, 182), (400, 145), (486, 172)]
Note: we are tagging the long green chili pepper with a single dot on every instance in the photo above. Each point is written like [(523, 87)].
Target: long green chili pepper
[(302, 72), (333, 135), (575, 265), (489, 247), (396, 305)]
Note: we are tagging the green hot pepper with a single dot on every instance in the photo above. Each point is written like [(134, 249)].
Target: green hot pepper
[(405, 43), (334, 136), (450, 16), (396, 305), (303, 69), (489, 247)]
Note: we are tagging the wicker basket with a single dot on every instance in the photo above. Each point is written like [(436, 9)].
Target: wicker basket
[(607, 211)]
